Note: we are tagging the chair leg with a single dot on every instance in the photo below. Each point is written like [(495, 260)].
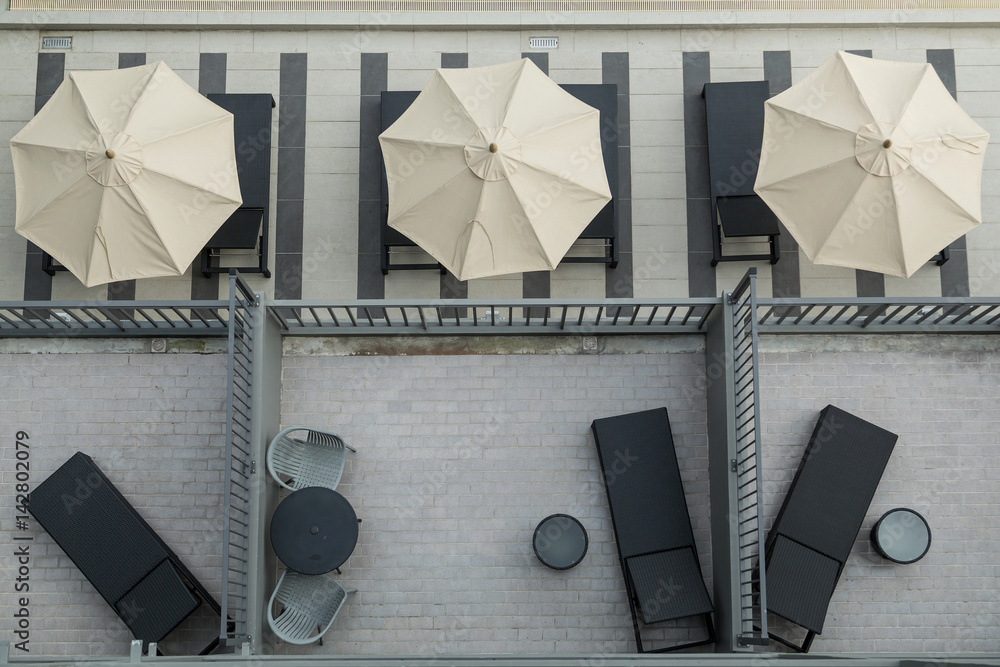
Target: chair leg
[(350, 448)]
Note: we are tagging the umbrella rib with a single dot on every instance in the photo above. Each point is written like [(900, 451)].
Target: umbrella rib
[(422, 142), (937, 187), (156, 231), (59, 195), (428, 195), (201, 188), (803, 173), (513, 92), (189, 128), (574, 119), (139, 97), (813, 119), (538, 241), (563, 179)]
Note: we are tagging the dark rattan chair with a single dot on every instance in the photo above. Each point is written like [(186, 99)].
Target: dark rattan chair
[(819, 520), (652, 526), (735, 117), (247, 228), (126, 561)]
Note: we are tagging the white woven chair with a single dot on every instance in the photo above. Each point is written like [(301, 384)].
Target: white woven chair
[(309, 605), (307, 457)]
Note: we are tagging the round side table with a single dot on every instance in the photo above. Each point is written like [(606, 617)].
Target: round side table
[(902, 536), (560, 541), (314, 530)]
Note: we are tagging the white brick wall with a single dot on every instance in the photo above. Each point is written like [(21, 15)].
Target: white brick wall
[(459, 458), (154, 425), (940, 396)]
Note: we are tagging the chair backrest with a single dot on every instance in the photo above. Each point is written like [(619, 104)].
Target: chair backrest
[(735, 124), (835, 482), (96, 526), (645, 492), (308, 457), (310, 605)]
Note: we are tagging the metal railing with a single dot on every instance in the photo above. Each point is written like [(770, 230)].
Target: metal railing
[(879, 315), (511, 317), (236, 498), (747, 464), (113, 318)]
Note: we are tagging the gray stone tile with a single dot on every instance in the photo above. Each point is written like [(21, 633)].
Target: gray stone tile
[(212, 73), (943, 62), (294, 71), (374, 73), (369, 228), (371, 121), (126, 60), (540, 58), (698, 183), (291, 172), (699, 215), (50, 73), (615, 69), (454, 60), (292, 121), (289, 219), (288, 275), (870, 283), (867, 53), (955, 272), (778, 70)]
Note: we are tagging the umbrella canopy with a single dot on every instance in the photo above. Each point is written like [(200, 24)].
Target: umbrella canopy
[(495, 170), (871, 164), (125, 174)]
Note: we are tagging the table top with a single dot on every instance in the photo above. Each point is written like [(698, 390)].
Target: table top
[(560, 541), (314, 530), (901, 535)]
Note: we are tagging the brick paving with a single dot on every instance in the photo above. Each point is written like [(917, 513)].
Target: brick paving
[(154, 424)]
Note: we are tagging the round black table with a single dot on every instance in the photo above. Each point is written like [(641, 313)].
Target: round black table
[(314, 530), (560, 541), (902, 536)]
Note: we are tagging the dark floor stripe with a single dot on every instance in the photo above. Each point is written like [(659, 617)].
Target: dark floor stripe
[(291, 176), (48, 75), (701, 274), (868, 283), (618, 281), (211, 79), (451, 287), (124, 290), (374, 79), (954, 272), (786, 280), (537, 284)]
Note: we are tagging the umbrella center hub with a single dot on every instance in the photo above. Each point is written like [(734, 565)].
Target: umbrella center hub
[(493, 153), (114, 159), (883, 149)]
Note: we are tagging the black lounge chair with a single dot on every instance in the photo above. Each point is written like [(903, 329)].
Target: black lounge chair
[(735, 117), (247, 227), (818, 522), (126, 561), (652, 526), (602, 232)]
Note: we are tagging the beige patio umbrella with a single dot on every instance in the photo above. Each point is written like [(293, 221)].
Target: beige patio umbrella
[(494, 170), (871, 164), (125, 174)]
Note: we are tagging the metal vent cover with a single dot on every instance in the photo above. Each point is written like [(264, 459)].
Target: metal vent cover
[(543, 42), (57, 42)]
